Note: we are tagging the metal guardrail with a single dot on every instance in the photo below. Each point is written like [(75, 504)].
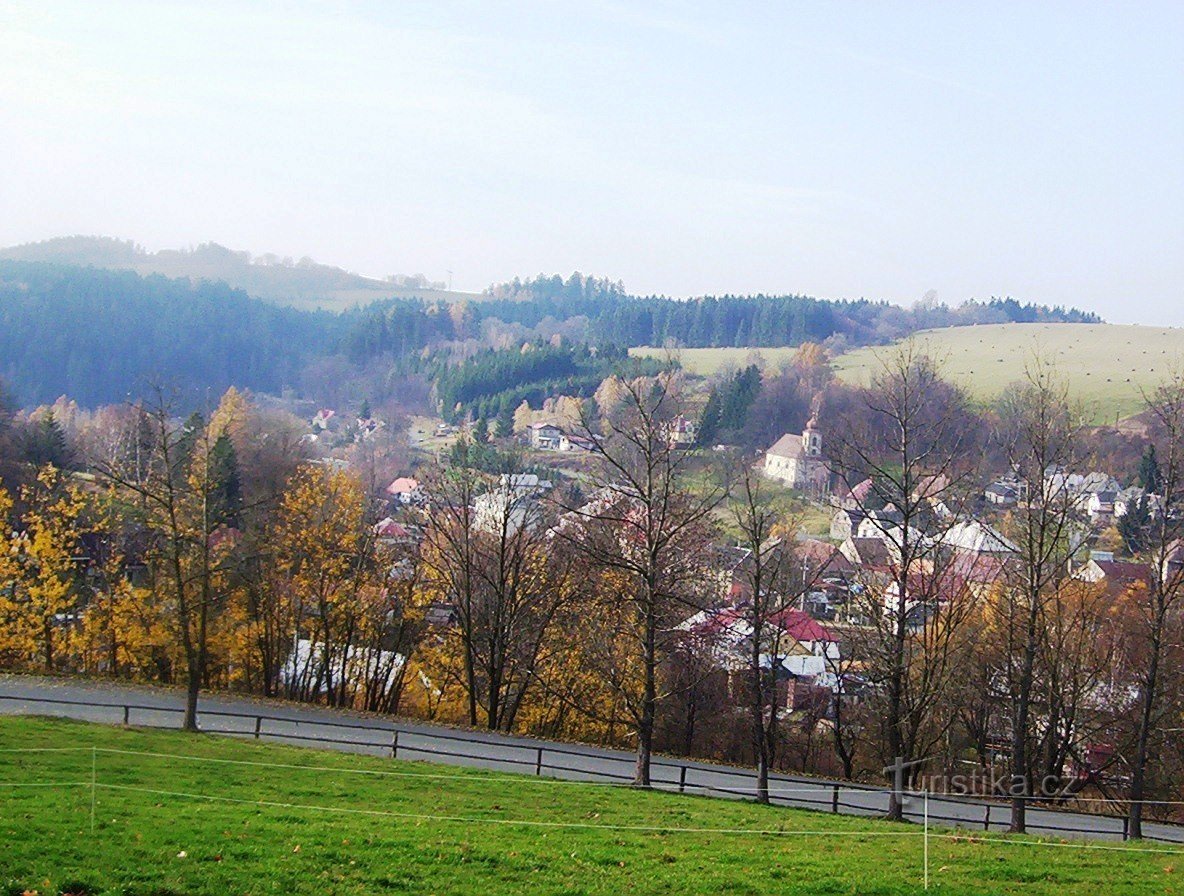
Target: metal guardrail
[(535, 758)]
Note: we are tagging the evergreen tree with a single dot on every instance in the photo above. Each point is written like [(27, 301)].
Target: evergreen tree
[(710, 419), (225, 484), (1149, 476), (45, 443), (481, 431), (1135, 525), (505, 421), (190, 433)]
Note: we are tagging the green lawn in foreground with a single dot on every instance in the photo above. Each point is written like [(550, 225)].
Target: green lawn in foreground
[(157, 843)]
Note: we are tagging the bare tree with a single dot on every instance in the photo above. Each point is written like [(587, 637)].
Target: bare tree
[(774, 582), (487, 549), (1040, 435), (168, 470), (915, 440), (1158, 612), (647, 530)]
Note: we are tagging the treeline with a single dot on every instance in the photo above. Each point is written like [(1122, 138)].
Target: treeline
[(100, 336), (494, 383)]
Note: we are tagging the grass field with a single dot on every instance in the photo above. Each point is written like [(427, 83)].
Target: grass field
[(190, 814), (1106, 364)]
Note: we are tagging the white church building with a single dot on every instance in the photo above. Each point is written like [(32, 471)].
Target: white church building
[(797, 461)]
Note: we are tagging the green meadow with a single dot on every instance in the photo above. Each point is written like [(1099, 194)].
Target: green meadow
[(170, 813)]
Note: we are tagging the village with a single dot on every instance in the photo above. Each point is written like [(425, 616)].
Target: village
[(837, 584)]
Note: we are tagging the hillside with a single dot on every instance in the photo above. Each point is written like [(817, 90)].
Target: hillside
[(302, 283), (174, 813), (99, 336), (1108, 365)]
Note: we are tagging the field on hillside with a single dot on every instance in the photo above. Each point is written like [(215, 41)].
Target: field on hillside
[(707, 361), (1107, 364), (169, 814)]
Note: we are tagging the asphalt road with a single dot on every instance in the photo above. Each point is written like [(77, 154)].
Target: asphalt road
[(296, 723)]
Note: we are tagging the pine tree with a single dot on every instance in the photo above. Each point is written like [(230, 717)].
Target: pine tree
[(505, 421), (709, 421), (1149, 475), (481, 431), (46, 444), (1135, 524), (225, 484)]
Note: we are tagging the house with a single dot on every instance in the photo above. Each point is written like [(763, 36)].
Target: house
[(1116, 575), (1128, 499), (681, 432), (545, 436), (405, 490), (576, 443), (975, 537), (1100, 506), (512, 505), (798, 462), (799, 646), (868, 553), (390, 531), (931, 487), (1002, 493), (322, 418)]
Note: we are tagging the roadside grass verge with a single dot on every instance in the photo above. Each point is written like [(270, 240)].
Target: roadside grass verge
[(214, 815)]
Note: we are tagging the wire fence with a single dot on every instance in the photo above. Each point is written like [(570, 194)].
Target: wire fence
[(551, 764), (97, 784)]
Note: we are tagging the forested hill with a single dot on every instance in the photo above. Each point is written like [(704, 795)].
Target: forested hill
[(735, 320), (303, 282), (99, 335)]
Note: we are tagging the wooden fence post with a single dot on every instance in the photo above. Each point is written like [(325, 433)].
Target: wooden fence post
[(126, 710), (258, 725), (834, 800), (987, 818), (395, 744), (682, 779), (538, 763)]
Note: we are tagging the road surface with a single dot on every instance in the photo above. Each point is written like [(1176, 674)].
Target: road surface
[(297, 723)]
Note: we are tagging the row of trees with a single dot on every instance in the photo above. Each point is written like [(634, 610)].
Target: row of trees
[(209, 552)]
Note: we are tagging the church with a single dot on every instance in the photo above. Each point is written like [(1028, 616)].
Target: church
[(797, 461)]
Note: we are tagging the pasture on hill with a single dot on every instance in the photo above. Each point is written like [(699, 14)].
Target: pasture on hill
[(92, 809), (1107, 365)]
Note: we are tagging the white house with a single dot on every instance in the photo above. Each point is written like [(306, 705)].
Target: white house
[(545, 436)]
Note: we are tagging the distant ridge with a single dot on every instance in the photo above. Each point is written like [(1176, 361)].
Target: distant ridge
[(303, 283)]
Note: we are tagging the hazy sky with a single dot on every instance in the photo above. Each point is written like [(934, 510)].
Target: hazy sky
[(838, 149)]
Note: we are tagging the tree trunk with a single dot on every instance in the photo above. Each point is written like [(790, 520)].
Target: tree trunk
[(1146, 716), (1019, 732), (645, 728)]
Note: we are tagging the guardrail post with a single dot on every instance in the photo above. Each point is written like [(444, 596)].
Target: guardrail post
[(682, 779), (538, 763), (395, 744), (126, 709), (987, 818), (258, 725), (834, 800)]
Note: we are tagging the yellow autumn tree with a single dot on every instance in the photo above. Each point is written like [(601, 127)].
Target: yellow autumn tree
[(38, 605), (124, 630)]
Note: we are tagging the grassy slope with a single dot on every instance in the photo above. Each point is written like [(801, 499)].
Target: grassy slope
[(139, 838), (1106, 364)]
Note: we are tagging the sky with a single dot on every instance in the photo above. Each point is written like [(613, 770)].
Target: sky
[(882, 150)]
